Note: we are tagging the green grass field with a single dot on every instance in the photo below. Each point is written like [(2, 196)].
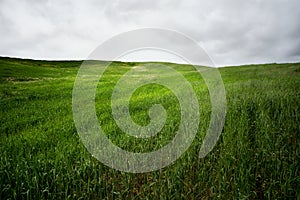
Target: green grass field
[(42, 156)]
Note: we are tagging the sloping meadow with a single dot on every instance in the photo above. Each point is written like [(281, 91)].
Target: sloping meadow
[(43, 157)]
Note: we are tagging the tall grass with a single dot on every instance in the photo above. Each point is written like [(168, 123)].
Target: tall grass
[(42, 157)]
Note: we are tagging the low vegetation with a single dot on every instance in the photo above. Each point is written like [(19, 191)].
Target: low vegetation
[(42, 156)]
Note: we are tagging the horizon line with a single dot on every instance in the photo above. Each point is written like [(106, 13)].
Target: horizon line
[(150, 61)]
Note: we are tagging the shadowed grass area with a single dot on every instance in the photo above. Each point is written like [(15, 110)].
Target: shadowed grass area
[(42, 157)]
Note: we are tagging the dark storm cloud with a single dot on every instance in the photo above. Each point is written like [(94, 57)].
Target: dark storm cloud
[(231, 31)]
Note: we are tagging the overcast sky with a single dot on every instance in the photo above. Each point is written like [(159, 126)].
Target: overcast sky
[(231, 31)]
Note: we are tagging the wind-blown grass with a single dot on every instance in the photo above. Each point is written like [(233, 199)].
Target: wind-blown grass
[(42, 157)]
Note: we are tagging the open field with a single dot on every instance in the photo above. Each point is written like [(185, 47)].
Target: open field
[(42, 156)]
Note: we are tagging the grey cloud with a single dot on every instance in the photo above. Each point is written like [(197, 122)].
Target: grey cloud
[(232, 31)]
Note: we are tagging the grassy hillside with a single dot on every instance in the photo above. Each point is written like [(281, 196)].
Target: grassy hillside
[(42, 157)]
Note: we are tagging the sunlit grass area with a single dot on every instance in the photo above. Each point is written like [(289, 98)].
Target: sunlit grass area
[(42, 156)]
